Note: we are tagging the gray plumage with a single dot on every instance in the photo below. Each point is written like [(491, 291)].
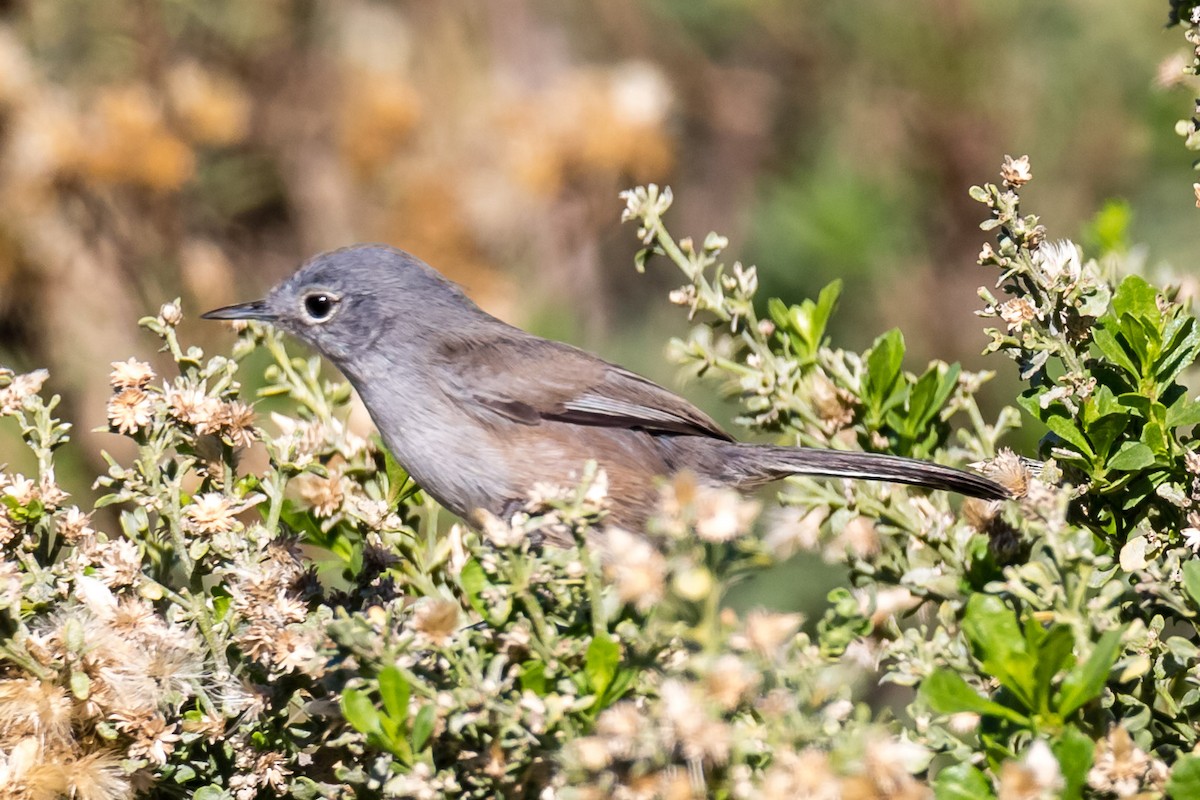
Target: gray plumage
[(479, 412)]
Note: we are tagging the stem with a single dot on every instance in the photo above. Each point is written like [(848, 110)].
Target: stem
[(176, 532), (594, 590), (200, 614)]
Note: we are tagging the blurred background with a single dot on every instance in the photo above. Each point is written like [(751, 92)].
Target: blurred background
[(204, 148)]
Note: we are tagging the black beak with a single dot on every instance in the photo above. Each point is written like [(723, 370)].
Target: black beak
[(256, 310)]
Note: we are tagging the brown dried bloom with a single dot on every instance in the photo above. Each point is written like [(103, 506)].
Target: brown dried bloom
[(120, 562), (767, 631), (12, 396), (807, 774), (889, 766), (860, 537), (130, 410), (728, 681), (324, 495), (97, 776), (1035, 776), (834, 404), (723, 514), (500, 533), (30, 707), (1016, 171), (237, 423), (130, 374), (620, 726), (794, 529), (212, 512), (210, 725), (1017, 312), (636, 568), (1009, 470), (22, 490), (1120, 767), (154, 739), (436, 619), (700, 737), (212, 108), (193, 406), (74, 526), (272, 768)]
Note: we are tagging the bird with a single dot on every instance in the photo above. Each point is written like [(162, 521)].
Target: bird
[(479, 412)]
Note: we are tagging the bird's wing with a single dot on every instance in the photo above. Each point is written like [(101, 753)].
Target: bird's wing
[(529, 380)]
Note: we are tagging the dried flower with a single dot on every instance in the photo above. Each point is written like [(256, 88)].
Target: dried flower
[(637, 570), (192, 405), (767, 631), (130, 410), (13, 396), (130, 374), (154, 739), (213, 512), (74, 526), (1120, 767), (1015, 172), (723, 514), (1036, 776), (728, 681), (237, 423), (324, 495), (1017, 312), (120, 562), (1009, 470), (436, 619)]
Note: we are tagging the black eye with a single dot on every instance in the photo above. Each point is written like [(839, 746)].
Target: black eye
[(319, 306)]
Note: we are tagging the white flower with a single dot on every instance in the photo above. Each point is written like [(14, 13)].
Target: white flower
[(1191, 537)]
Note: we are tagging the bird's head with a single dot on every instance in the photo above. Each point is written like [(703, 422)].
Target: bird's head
[(341, 302)]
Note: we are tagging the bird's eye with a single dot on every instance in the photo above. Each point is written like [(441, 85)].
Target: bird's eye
[(320, 305)]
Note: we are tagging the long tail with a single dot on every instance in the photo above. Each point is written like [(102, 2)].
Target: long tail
[(750, 465)]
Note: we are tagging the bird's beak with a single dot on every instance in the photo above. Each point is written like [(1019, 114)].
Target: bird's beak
[(255, 310)]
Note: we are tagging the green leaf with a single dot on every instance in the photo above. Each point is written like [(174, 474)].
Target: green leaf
[(883, 386), (1086, 681), (1066, 428), (1113, 350), (211, 792), (1074, 751), (1132, 456), (423, 725), (1185, 778), (962, 782), (600, 663), (1191, 579), (947, 693), (1183, 414), (81, 685), (360, 712), (1053, 654), (1000, 646), (400, 484), (1136, 298), (474, 582), (533, 677), (394, 689), (1108, 230)]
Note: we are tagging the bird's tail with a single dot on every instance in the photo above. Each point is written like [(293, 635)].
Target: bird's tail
[(750, 465)]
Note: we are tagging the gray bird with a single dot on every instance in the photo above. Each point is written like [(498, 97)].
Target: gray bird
[(479, 412)]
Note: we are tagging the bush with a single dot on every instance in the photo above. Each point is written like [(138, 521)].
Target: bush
[(310, 628)]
